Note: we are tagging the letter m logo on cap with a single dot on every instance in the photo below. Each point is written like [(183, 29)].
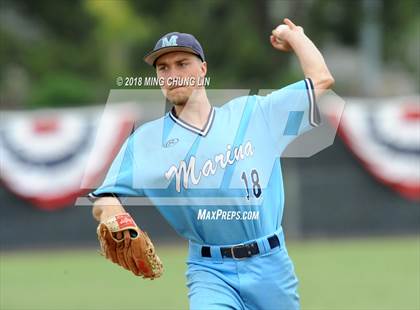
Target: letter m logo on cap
[(170, 42)]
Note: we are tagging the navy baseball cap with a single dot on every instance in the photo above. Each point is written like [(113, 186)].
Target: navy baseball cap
[(175, 42)]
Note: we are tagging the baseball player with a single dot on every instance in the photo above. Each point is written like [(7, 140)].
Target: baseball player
[(214, 174)]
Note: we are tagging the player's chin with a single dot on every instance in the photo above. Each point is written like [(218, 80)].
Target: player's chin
[(177, 98), (179, 95)]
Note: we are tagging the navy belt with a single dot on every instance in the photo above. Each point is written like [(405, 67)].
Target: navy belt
[(242, 250)]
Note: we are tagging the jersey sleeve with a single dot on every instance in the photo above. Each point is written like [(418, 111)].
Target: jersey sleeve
[(119, 178), (290, 111)]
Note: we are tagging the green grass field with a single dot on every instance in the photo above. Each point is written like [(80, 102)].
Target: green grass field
[(374, 273)]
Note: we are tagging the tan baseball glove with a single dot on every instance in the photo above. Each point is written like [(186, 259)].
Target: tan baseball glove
[(125, 244)]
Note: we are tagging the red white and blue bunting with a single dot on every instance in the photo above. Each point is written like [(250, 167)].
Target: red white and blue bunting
[(44, 153), (384, 134)]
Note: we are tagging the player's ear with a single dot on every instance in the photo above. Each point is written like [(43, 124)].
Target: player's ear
[(204, 68)]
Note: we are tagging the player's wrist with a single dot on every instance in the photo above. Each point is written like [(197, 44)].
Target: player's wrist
[(106, 207), (295, 38)]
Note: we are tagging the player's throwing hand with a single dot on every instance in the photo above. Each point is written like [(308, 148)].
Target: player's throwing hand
[(281, 35)]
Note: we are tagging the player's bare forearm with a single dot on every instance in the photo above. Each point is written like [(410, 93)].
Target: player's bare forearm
[(291, 37), (105, 207), (311, 61)]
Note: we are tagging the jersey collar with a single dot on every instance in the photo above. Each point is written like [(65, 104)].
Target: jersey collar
[(202, 132)]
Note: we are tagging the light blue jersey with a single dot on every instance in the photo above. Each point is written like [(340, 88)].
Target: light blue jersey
[(222, 184)]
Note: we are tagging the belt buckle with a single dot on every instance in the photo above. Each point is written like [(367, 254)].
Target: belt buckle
[(233, 252)]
